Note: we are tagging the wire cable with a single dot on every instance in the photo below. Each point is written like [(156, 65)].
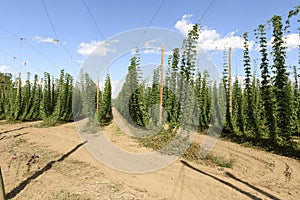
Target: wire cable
[(40, 53), (9, 55), (93, 18), (151, 20), (156, 12), (11, 33), (206, 10), (49, 18), (54, 31), (28, 44)]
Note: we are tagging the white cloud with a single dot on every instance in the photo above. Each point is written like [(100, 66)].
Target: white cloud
[(100, 48), (184, 25), (47, 40), (210, 39), (292, 41), (133, 51), (3, 68), (156, 50), (150, 43), (151, 48), (88, 48), (154, 47), (152, 51)]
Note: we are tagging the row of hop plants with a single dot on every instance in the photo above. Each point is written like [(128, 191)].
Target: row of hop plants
[(265, 110), (54, 100), (39, 99)]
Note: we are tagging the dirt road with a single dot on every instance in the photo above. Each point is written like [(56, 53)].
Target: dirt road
[(65, 169)]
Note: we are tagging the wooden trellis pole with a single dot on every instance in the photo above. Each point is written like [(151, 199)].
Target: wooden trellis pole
[(2, 190), (97, 97), (161, 84), (230, 80)]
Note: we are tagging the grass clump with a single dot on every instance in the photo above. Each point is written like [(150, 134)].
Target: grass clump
[(193, 152), (10, 121), (117, 130), (49, 122), (113, 186), (157, 141), (66, 195), (220, 161), (92, 126), (167, 142)]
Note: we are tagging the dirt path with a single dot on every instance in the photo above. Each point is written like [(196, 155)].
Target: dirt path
[(66, 170)]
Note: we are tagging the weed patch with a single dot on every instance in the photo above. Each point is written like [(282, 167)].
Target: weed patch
[(49, 122), (66, 195), (220, 161), (168, 143)]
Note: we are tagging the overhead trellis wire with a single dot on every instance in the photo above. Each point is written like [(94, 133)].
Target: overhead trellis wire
[(54, 31), (151, 20), (206, 11), (28, 44), (94, 20)]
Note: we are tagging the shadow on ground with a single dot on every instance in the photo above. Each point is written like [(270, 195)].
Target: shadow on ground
[(47, 167), (248, 194), (16, 129)]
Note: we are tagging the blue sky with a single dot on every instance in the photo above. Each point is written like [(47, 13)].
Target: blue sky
[(224, 23)]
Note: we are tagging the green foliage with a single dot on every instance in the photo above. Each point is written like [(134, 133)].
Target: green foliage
[(189, 53), (105, 103), (92, 126), (5, 87), (174, 112), (49, 122), (247, 66), (296, 103), (66, 195), (18, 101), (131, 99), (238, 107), (203, 100), (47, 105), (192, 153), (220, 161), (154, 97), (251, 95), (86, 92), (186, 80), (86, 103), (225, 83), (216, 111), (267, 95), (265, 111), (281, 88), (77, 103), (158, 141), (34, 101)]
